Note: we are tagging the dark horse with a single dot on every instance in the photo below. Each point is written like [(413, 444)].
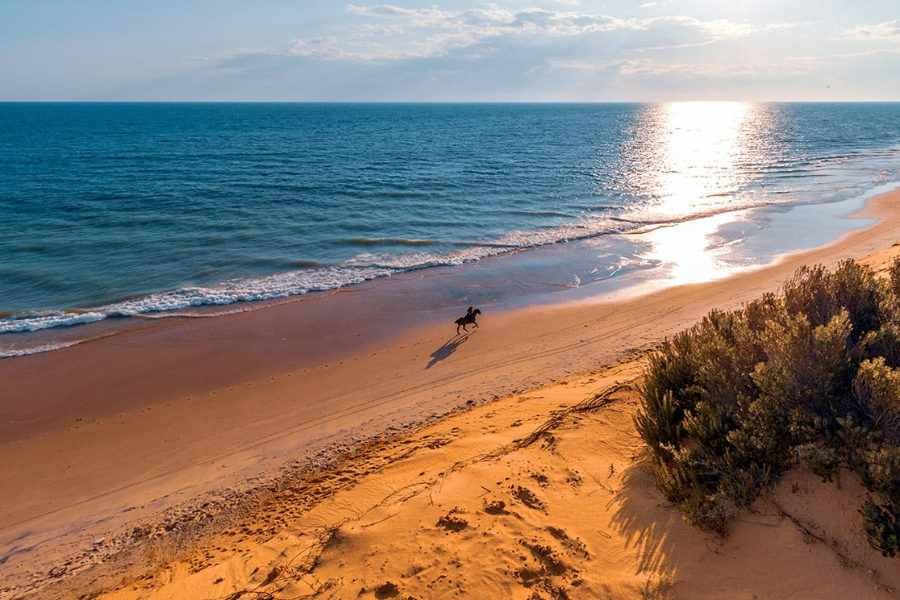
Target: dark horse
[(469, 319)]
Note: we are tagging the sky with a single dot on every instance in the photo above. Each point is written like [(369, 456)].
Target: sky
[(449, 50)]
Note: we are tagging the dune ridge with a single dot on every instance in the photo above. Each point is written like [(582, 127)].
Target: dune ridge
[(545, 494)]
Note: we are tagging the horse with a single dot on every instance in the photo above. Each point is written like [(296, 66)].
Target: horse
[(469, 319)]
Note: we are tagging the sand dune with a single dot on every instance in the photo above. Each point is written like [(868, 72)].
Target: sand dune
[(541, 495)]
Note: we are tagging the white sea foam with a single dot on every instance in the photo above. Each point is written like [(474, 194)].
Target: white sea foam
[(35, 349), (227, 292), (363, 267), (48, 319)]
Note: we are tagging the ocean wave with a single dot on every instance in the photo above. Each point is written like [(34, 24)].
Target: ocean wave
[(397, 241), (305, 264), (36, 349), (228, 292), (311, 276), (602, 207), (540, 213), (22, 322)]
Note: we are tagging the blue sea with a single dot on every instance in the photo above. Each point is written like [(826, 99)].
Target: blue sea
[(120, 211)]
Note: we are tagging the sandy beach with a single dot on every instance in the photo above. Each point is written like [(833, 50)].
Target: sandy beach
[(180, 458)]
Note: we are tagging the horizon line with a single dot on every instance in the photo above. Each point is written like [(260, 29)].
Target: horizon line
[(445, 101)]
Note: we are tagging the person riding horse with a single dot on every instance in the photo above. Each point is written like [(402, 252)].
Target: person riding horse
[(469, 319)]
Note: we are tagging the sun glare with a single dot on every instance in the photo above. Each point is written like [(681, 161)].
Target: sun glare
[(700, 146), (695, 154), (689, 252)]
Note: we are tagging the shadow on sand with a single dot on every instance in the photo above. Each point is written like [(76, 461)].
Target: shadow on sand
[(447, 349), (651, 527)]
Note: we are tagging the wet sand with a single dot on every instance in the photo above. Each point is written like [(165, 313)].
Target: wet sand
[(103, 435)]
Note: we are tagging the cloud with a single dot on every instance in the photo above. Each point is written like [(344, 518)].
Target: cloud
[(386, 32), (686, 30), (390, 52), (889, 30), (790, 25), (784, 68), (649, 68)]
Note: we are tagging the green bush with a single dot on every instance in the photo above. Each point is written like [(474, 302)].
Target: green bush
[(811, 376), (877, 393), (894, 277), (883, 472), (807, 367), (820, 295), (882, 526), (883, 343), (657, 423), (820, 459)]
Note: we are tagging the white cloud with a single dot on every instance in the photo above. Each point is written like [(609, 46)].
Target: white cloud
[(889, 30), (649, 68), (499, 51), (656, 69), (718, 29), (391, 32), (790, 25)]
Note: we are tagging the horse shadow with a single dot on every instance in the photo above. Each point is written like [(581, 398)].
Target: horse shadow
[(447, 349)]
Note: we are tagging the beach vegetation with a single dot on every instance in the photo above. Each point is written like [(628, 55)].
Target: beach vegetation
[(809, 376)]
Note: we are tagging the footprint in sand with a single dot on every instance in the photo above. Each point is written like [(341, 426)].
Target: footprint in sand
[(387, 590), (452, 523), (496, 507), (573, 545), (526, 497)]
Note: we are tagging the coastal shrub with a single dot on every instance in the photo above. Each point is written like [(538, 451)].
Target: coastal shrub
[(882, 526), (708, 512), (709, 423), (884, 343), (894, 277), (685, 480), (672, 372), (821, 459), (809, 376), (762, 434), (741, 485), (883, 471), (820, 295), (657, 424), (806, 367), (877, 394), (852, 440), (861, 294)]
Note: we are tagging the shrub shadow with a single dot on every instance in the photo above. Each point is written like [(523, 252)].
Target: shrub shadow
[(646, 523)]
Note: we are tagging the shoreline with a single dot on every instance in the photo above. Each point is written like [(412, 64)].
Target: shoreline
[(176, 410), (660, 255)]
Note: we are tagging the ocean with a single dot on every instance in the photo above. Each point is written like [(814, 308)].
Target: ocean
[(113, 212)]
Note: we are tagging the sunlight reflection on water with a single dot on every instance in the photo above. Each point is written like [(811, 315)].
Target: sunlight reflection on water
[(693, 158), (691, 252), (694, 155)]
